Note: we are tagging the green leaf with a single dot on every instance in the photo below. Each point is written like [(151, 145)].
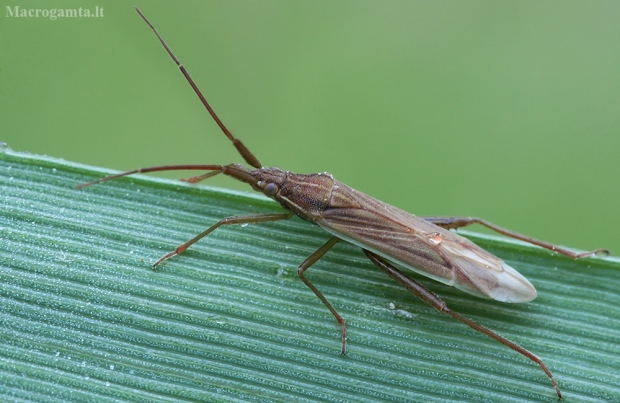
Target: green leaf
[(84, 318)]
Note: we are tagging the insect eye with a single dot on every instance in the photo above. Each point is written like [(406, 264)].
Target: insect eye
[(271, 189)]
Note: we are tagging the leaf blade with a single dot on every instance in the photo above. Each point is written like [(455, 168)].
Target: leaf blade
[(84, 316)]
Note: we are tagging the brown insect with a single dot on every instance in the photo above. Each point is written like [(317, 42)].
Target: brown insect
[(385, 233)]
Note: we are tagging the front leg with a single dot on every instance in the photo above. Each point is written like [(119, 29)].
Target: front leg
[(240, 219)]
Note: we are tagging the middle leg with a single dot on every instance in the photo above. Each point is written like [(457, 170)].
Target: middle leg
[(312, 259)]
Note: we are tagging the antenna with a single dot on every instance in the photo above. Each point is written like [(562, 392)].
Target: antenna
[(241, 148)]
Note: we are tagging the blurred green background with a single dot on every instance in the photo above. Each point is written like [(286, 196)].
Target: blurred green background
[(507, 111)]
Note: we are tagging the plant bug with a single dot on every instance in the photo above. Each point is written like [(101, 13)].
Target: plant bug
[(386, 234)]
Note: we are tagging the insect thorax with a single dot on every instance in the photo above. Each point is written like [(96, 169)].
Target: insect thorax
[(305, 195)]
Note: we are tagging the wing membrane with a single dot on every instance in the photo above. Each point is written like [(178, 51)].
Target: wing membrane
[(421, 246)]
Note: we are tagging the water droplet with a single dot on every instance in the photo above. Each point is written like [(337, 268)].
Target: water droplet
[(435, 237)]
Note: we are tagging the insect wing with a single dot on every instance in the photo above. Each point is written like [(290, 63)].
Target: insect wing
[(421, 246)]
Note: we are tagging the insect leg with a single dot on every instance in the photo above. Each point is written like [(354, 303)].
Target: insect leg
[(312, 259), (458, 222), (241, 219), (433, 300)]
